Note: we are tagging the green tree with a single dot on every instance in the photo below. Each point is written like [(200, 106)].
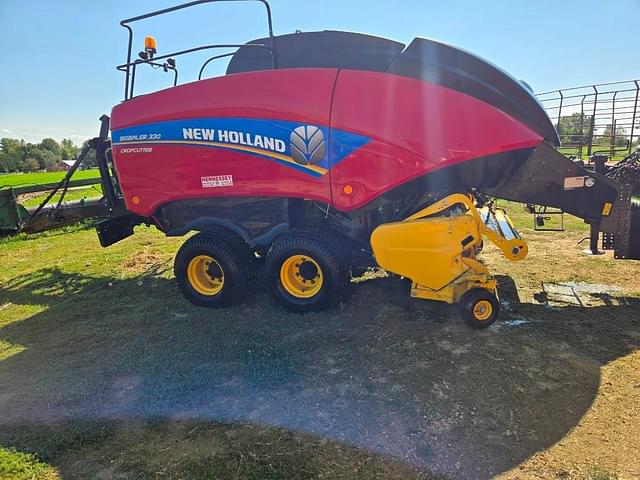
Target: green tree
[(620, 137), (574, 129), (17, 155), (29, 165), (45, 158), (10, 154), (51, 145), (90, 159), (67, 149)]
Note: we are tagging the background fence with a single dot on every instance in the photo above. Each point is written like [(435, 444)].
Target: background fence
[(596, 119)]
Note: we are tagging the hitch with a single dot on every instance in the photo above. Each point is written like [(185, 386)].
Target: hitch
[(15, 218), (624, 236)]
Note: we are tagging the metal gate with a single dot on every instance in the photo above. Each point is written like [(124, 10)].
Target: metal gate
[(596, 119)]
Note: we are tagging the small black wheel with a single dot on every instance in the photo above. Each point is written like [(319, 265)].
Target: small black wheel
[(306, 272), (211, 272), (479, 308)]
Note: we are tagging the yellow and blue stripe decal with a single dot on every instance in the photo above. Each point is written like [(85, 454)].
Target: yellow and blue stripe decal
[(269, 139)]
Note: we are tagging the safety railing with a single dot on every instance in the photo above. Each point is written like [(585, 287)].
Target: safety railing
[(596, 119), (129, 68)]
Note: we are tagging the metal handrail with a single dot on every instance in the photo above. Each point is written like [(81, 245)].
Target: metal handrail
[(211, 59), (129, 65), (612, 106), (585, 86)]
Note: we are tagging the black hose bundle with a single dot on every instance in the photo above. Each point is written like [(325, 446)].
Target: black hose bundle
[(627, 170)]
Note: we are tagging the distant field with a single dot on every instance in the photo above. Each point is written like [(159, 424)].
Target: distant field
[(601, 149), (28, 179), (78, 193)]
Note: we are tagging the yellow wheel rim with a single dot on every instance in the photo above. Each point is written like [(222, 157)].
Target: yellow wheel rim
[(482, 310), (205, 275), (301, 276)]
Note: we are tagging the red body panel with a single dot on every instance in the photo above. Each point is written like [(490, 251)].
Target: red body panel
[(416, 127), (412, 128), (299, 95), (173, 172)]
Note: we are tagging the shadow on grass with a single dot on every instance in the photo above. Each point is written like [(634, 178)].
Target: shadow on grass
[(161, 448), (113, 371)]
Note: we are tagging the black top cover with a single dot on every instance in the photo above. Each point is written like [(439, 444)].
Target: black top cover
[(326, 49), (442, 64), (423, 59)]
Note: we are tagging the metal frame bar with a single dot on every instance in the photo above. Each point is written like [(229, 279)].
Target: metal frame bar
[(542, 211), (581, 127), (633, 120), (101, 145), (211, 59), (612, 135), (560, 109), (612, 105), (165, 66), (593, 121), (133, 65), (127, 67)]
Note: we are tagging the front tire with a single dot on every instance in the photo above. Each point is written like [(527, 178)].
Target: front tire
[(211, 272), (306, 272), (479, 308)]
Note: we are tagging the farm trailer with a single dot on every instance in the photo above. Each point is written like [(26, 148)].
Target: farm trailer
[(326, 153)]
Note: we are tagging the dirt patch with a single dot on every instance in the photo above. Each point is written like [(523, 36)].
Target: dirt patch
[(143, 261), (582, 294), (607, 435)]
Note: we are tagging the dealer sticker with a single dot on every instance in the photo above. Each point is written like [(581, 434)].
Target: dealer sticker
[(571, 183), (217, 181)]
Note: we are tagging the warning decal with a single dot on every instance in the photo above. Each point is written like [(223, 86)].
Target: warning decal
[(217, 181)]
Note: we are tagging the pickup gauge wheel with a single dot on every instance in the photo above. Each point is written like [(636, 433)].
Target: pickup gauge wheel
[(305, 272), (479, 308), (211, 272)]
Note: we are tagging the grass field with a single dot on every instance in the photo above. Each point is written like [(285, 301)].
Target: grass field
[(38, 178), (107, 372), (33, 179), (77, 193), (600, 149)]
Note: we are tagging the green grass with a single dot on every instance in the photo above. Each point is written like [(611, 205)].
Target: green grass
[(523, 220), (596, 473), (73, 194), (602, 149), (24, 466), (39, 178), (82, 325)]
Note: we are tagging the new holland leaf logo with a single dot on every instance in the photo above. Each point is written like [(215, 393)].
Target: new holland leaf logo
[(307, 145)]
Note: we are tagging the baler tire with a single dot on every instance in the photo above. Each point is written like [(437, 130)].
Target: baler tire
[(333, 274), (231, 261), (334, 244), (479, 308), (330, 240), (239, 246)]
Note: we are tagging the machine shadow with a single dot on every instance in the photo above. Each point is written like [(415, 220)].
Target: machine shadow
[(167, 448), (408, 382)]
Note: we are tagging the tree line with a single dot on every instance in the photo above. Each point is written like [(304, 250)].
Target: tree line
[(20, 156), (575, 129)]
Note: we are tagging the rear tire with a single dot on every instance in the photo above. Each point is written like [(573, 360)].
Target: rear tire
[(212, 272), (306, 272), (479, 308)]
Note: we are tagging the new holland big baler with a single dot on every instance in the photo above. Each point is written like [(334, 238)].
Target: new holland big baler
[(327, 152)]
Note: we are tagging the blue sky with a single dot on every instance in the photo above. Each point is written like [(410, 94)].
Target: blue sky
[(59, 57)]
